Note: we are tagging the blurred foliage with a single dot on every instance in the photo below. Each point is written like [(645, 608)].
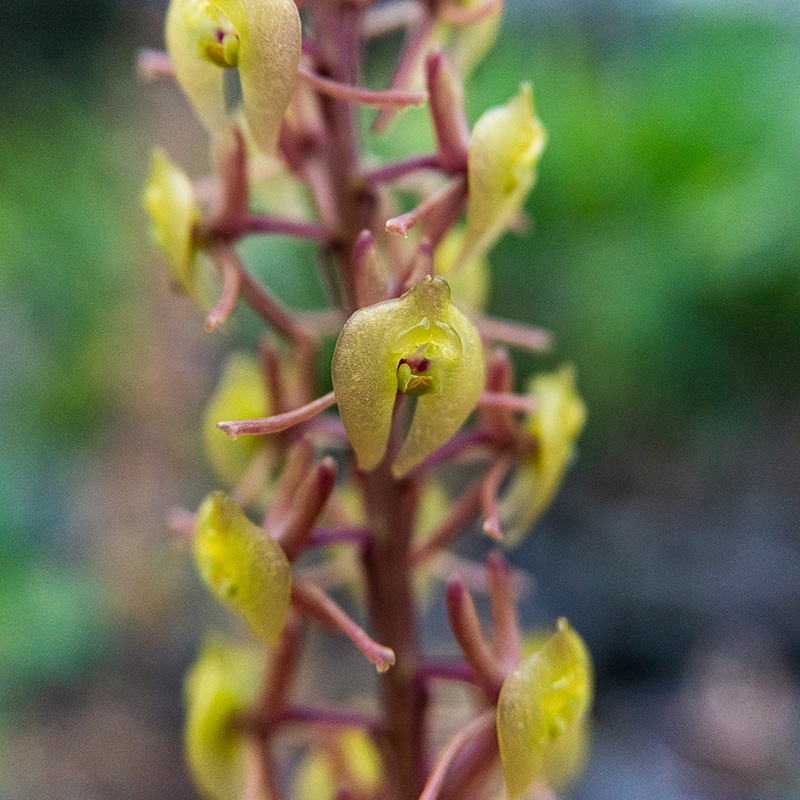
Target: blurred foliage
[(65, 266), (666, 235)]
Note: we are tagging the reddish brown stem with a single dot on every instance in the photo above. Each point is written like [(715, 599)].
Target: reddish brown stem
[(441, 198), (448, 753), (306, 508), (258, 297), (280, 422), (399, 169), (386, 98), (516, 334), (391, 506), (227, 299), (489, 491), (467, 629), (461, 513), (502, 596), (462, 15), (316, 604)]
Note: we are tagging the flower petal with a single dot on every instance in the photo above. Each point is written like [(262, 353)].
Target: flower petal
[(542, 713), (242, 565), (504, 148), (369, 351), (223, 681)]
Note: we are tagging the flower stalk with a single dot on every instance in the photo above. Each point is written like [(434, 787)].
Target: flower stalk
[(418, 383)]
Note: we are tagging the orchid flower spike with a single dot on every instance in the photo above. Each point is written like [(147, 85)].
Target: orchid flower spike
[(543, 713), (504, 149), (207, 40), (243, 565), (419, 344), (554, 426), (169, 200), (223, 682)]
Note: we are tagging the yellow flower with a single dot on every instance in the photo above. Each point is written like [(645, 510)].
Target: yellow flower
[(504, 149), (224, 681), (543, 713), (244, 567), (554, 426), (467, 44), (206, 40), (468, 281), (350, 758), (169, 200), (240, 394), (421, 345)]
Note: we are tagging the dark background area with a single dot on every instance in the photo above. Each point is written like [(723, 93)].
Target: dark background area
[(664, 255)]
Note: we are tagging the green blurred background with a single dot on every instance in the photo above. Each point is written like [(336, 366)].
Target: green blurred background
[(665, 257)]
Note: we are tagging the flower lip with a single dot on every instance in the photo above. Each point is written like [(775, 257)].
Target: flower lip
[(421, 344)]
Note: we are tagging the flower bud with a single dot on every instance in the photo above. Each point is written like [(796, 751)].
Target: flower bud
[(419, 344), (504, 148), (224, 681), (244, 567), (240, 394), (543, 711), (206, 39), (168, 198), (554, 426)]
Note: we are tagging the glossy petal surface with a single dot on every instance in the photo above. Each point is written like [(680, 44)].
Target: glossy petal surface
[(223, 682), (240, 394), (555, 425), (168, 198), (242, 565), (542, 713), (266, 49), (504, 148), (422, 324)]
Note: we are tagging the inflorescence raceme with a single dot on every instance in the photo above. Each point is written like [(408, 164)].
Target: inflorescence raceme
[(422, 380)]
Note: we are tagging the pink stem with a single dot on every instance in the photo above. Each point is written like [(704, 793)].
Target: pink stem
[(402, 225), (517, 334), (389, 17), (227, 299), (489, 490), (466, 627), (322, 537), (458, 671), (399, 169), (461, 16), (507, 400), (413, 51), (152, 64), (259, 298), (314, 602), (386, 98), (320, 715), (461, 513), (263, 223), (280, 422), (482, 723), (502, 597), (306, 508), (460, 443)]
